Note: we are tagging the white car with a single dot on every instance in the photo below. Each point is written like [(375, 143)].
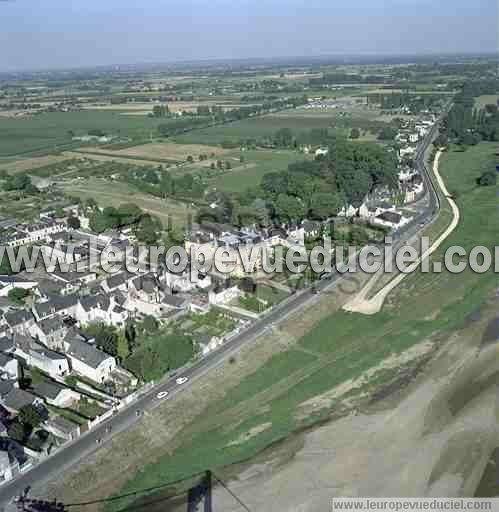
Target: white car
[(181, 380), (161, 395)]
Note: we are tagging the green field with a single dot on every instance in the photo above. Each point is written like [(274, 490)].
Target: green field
[(486, 99), (342, 346), (46, 132), (256, 164), (255, 127)]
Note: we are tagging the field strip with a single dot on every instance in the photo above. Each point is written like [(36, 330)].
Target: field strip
[(374, 305)]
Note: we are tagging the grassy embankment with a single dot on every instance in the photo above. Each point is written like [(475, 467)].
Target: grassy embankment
[(341, 347)]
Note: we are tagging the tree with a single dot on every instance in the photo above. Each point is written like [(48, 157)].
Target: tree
[(18, 182), (324, 205), (166, 185), (17, 431), (30, 416), (98, 222), (106, 337), (354, 133), (127, 214), (160, 111), (18, 295), (488, 179), (190, 159), (73, 222), (147, 230), (441, 140), (149, 324), (122, 347), (387, 133), (151, 176), (59, 213), (289, 208)]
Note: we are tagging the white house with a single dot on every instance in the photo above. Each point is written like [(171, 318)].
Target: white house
[(88, 360), (221, 294), (36, 355), (56, 394), (321, 151), (9, 367), (8, 467)]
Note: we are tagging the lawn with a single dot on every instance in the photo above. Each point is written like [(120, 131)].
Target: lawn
[(342, 346), (51, 131), (256, 164)]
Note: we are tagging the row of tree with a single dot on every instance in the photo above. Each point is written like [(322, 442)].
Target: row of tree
[(468, 125)]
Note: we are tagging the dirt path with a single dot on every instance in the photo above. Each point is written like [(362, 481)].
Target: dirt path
[(372, 306)]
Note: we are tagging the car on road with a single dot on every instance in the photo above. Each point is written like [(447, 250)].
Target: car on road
[(161, 395), (181, 380)]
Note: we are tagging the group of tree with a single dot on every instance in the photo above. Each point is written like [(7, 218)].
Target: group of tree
[(28, 419), (19, 182), (159, 111), (315, 189), (145, 227), (18, 295), (467, 125)]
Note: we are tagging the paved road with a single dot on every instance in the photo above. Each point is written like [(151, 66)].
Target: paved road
[(50, 468)]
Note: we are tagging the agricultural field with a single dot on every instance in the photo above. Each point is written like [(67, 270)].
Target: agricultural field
[(160, 151), (486, 99), (306, 381), (22, 165), (115, 193), (253, 128), (54, 131)]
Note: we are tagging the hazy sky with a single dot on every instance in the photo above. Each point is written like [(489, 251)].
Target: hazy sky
[(73, 33)]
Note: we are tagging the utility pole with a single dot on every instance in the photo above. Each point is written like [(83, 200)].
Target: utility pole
[(200, 495)]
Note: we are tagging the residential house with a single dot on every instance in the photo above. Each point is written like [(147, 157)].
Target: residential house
[(38, 356), (223, 292), (19, 320), (390, 219), (102, 308), (18, 398), (118, 282), (31, 233), (88, 360), (9, 466), (73, 281), (55, 394), (50, 331), (59, 305), (9, 367), (62, 428)]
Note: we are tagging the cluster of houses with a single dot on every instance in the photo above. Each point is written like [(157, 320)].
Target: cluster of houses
[(48, 333)]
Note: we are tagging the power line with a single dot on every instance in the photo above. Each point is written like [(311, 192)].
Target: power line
[(135, 493), (231, 493)]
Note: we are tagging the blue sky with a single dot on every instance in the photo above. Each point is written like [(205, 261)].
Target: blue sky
[(74, 33)]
